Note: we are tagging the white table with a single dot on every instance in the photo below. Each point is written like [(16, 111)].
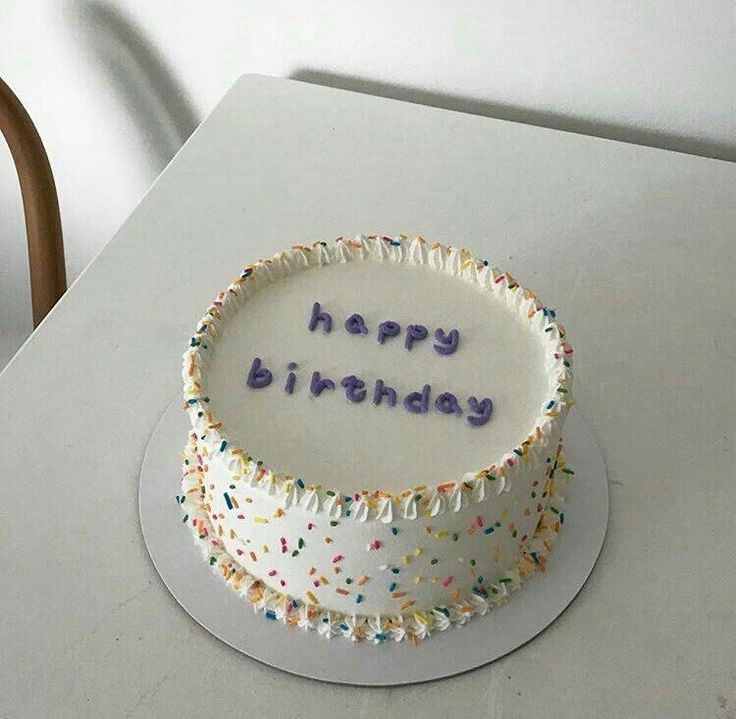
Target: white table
[(634, 245)]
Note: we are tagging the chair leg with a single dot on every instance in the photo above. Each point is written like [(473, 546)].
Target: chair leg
[(40, 204)]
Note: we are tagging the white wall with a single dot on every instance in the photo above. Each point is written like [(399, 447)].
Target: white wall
[(116, 87)]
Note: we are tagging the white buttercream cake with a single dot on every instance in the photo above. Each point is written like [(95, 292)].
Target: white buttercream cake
[(375, 447)]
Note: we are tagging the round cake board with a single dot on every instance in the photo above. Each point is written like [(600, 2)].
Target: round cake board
[(230, 618)]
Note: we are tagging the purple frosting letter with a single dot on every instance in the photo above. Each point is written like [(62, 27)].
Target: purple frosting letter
[(447, 404), (418, 402), (484, 408), (354, 388), (355, 324), (381, 390), (291, 378), (259, 377), (319, 316), (317, 385), (414, 333), (388, 329), (447, 343)]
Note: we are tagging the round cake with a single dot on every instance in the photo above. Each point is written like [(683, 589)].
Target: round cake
[(375, 448)]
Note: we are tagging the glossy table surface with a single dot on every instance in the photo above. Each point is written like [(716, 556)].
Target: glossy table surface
[(635, 248)]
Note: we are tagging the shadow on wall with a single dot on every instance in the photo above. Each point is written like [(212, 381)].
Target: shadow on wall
[(157, 102), (514, 113)]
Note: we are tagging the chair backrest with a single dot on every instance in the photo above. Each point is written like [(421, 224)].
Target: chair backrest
[(40, 204)]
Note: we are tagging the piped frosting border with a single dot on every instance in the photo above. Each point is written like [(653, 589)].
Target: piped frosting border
[(373, 504), (378, 629)]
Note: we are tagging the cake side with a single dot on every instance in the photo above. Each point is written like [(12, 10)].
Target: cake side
[(405, 602)]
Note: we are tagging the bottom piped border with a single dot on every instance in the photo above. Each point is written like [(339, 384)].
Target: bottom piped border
[(415, 626)]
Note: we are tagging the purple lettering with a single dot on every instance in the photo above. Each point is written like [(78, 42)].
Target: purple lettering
[(484, 409), (414, 333), (317, 385), (354, 388), (447, 342), (319, 316), (388, 329), (381, 390), (447, 404), (258, 376), (291, 378), (418, 402), (355, 324)]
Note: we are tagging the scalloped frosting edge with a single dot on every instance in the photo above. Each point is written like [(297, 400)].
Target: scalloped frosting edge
[(378, 505), (377, 629)]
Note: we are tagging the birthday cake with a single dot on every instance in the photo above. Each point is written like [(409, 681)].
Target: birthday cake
[(376, 436)]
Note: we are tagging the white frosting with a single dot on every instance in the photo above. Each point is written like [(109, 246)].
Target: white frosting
[(442, 519), (331, 441)]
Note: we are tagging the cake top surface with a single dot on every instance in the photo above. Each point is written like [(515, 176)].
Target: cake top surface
[(474, 362)]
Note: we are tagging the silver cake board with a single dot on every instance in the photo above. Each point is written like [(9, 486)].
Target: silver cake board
[(231, 618)]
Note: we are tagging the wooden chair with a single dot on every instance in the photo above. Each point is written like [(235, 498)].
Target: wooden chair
[(40, 204)]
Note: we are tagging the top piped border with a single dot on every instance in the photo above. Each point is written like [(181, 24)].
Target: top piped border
[(375, 504)]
